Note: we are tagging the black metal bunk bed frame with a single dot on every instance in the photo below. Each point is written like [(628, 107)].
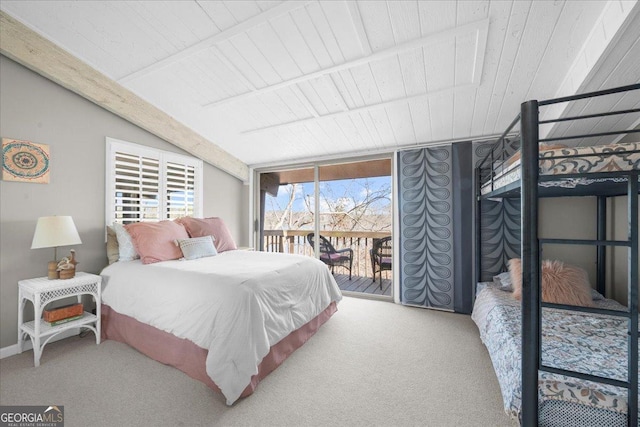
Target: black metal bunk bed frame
[(527, 189)]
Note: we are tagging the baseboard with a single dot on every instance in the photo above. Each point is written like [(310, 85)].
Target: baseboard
[(13, 349)]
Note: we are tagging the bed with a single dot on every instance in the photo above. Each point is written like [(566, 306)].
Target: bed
[(583, 342), (227, 320), (509, 186)]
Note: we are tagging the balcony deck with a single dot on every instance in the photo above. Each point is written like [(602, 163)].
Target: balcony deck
[(363, 284), (361, 242)]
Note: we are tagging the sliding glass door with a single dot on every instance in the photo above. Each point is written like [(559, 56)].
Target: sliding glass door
[(288, 211), (353, 202)]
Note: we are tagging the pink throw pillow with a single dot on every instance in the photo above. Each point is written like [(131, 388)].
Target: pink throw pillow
[(200, 227), (561, 283), (515, 272), (155, 241)]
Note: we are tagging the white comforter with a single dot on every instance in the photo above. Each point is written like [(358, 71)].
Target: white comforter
[(236, 304)]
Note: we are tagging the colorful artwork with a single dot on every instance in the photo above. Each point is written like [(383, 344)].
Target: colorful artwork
[(25, 161)]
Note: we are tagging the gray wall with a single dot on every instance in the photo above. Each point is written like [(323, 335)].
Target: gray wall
[(570, 218), (35, 109), (575, 217)]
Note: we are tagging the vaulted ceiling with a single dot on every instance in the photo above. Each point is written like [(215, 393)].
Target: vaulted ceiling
[(274, 82)]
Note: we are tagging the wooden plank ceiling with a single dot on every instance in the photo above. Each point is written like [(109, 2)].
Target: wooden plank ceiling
[(274, 82)]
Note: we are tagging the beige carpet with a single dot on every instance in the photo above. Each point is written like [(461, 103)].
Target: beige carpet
[(373, 363)]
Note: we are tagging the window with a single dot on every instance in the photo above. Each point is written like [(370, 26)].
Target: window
[(147, 184)]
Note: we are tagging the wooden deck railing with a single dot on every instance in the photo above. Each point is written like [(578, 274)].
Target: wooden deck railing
[(295, 242)]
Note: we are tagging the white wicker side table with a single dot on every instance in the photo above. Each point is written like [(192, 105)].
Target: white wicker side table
[(40, 292)]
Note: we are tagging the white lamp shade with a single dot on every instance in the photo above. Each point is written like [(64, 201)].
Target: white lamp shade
[(54, 231)]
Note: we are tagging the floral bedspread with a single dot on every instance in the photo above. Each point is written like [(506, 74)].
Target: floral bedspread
[(601, 158), (583, 342)]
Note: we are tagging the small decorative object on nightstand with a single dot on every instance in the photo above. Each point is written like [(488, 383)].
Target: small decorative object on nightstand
[(42, 291), (51, 232), (67, 266)]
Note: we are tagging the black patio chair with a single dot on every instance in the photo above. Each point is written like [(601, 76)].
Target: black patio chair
[(381, 256), (332, 257)]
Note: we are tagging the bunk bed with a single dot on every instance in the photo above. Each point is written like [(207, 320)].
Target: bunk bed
[(561, 364)]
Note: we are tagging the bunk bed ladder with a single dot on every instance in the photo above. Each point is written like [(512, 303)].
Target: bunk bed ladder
[(601, 250), (531, 292)]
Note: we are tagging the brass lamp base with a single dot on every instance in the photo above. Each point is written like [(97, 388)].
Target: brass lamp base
[(52, 270)]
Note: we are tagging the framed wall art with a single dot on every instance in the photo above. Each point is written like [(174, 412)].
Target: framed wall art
[(25, 161)]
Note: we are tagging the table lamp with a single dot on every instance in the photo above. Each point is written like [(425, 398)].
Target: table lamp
[(54, 231)]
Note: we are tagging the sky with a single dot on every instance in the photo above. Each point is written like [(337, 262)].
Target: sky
[(330, 193)]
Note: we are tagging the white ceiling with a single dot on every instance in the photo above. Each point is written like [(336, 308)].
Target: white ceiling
[(273, 82)]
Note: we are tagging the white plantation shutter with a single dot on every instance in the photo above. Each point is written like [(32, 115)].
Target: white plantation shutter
[(146, 184), (136, 188), (180, 189)]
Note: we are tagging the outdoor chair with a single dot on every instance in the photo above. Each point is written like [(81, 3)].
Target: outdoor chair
[(332, 257), (381, 256)]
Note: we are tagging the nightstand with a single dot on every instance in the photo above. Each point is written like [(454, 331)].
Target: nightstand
[(42, 291)]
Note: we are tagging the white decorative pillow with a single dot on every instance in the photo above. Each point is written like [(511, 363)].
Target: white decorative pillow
[(197, 247), (503, 281), (126, 249), (596, 296)]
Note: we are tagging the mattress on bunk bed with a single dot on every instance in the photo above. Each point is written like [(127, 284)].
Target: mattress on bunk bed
[(594, 159), (584, 342)]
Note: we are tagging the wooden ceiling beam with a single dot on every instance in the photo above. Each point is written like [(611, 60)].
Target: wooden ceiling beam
[(358, 25), (358, 110), (616, 19), (28, 48), (480, 27), (209, 42)]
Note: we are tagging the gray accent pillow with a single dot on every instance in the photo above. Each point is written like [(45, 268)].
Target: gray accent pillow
[(503, 281), (197, 247)]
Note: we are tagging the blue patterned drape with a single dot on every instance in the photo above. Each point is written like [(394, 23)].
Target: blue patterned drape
[(499, 228), (426, 234), (499, 236), (437, 201)]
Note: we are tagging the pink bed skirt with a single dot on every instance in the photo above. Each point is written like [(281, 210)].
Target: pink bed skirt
[(188, 357)]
